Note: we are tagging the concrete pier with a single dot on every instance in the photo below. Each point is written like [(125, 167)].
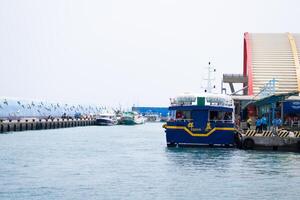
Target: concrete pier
[(40, 124), (282, 140)]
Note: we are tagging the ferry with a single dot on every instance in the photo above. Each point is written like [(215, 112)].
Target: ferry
[(201, 119)]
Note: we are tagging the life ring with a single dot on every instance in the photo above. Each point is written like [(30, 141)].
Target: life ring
[(298, 145), (248, 144), (238, 140)]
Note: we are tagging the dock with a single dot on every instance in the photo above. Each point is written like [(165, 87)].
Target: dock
[(281, 140), (41, 124)]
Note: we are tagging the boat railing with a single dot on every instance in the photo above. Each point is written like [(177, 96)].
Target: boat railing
[(220, 121), (181, 120)]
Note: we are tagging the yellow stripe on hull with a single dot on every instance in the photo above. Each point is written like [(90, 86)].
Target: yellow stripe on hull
[(198, 134)]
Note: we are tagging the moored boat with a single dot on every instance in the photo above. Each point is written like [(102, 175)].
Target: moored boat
[(132, 118), (201, 119), (106, 119), (152, 117)]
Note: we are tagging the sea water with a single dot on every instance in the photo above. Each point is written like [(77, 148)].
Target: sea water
[(133, 162)]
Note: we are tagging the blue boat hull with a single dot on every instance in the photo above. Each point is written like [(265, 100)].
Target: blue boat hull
[(184, 136)]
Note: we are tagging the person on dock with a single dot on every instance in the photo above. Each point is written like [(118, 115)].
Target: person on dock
[(264, 123), (258, 125), (249, 122), (277, 123)]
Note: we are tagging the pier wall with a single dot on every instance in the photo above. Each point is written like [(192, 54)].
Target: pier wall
[(24, 125)]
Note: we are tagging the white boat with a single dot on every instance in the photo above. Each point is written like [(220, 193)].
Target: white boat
[(132, 118), (152, 117), (106, 119)]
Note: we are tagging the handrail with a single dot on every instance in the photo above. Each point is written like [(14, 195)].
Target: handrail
[(222, 120)]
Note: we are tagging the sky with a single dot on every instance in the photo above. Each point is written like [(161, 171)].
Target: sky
[(116, 52)]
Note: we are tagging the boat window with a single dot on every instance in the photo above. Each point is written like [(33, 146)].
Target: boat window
[(220, 116), (228, 116), (183, 114), (173, 114), (213, 115)]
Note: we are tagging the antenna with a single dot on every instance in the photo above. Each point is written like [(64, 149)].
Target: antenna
[(210, 78)]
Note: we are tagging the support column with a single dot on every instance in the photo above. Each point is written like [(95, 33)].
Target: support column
[(296, 58)]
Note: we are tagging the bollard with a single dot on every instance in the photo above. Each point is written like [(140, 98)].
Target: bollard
[(33, 127), (26, 124), (39, 124), (43, 124), (1, 128), (20, 127)]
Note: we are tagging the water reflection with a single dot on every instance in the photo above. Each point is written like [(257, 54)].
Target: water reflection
[(244, 163), (270, 162), (200, 158)]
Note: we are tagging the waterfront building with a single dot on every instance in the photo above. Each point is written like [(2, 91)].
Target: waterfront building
[(270, 79)]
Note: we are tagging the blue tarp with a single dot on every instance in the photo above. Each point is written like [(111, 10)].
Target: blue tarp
[(291, 107)]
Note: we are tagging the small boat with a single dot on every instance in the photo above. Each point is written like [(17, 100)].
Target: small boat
[(201, 119), (132, 118), (164, 119), (106, 119), (151, 117)]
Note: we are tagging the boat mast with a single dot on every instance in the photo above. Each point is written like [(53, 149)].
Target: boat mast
[(210, 78)]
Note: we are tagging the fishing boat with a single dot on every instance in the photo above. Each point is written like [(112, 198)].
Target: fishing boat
[(106, 119), (132, 118), (201, 119), (152, 117)]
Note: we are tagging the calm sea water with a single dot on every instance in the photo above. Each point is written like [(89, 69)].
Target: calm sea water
[(133, 162)]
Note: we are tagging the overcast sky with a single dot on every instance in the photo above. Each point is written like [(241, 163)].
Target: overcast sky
[(127, 52)]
